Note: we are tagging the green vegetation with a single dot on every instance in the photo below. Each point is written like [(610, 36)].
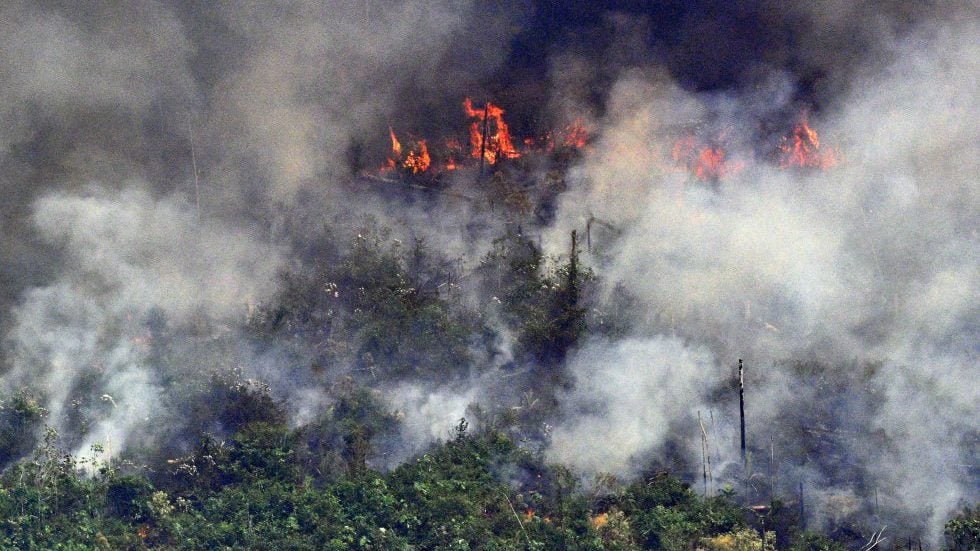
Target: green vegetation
[(224, 468), (256, 491), (391, 313), (963, 531)]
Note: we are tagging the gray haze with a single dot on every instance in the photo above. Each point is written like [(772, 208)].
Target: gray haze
[(163, 161), (872, 262), (152, 155)]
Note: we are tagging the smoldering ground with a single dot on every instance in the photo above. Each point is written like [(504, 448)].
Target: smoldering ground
[(164, 162)]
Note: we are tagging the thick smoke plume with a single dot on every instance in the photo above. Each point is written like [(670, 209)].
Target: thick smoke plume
[(158, 162), (161, 163), (872, 263)]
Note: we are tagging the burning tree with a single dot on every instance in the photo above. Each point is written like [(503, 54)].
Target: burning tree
[(489, 135), (802, 148)]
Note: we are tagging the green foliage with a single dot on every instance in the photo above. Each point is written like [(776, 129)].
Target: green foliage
[(546, 308), (666, 514), (744, 539), (456, 502), (45, 504), (389, 312), (21, 417), (128, 497), (261, 451), (239, 403), (341, 439), (226, 470), (963, 531), (475, 491), (809, 541)]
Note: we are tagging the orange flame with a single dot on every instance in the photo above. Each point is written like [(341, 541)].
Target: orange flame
[(396, 146), (498, 141), (489, 135), (575, 135), (453, 149), (707, 162), (802, 149), (418, 161), (600, 520), (415, 161)]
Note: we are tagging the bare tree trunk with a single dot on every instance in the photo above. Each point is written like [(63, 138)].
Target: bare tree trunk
[(741, 407), (486, 132)]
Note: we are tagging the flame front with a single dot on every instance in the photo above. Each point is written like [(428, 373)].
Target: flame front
[(418, 161), (489, 122), (489, 138), (802, 149)]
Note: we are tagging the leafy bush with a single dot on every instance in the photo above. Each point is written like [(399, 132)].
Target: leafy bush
[(963, 531), (21, 417), (666, 514), (391, 313)]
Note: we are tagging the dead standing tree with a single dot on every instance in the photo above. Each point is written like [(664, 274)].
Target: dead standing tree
[(486, 133), (741, 410)]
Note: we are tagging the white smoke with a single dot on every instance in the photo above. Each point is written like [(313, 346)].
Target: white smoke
[(627, 396), (249, 111), (126, 256), (256, 109), (873, 261)]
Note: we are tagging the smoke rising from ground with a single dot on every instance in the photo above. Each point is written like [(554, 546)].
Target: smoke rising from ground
[(125, 258), (152, 153), (164, 162), (873, 262)]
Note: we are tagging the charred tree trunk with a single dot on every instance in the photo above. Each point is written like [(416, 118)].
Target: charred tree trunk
[(741, 407), (486, 133)]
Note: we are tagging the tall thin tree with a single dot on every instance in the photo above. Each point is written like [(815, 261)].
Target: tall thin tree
[(741, 407)]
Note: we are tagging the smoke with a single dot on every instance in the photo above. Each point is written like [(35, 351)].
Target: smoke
[(126, 258), (160, 163), (872, 263), (630, 393), (428, 414)]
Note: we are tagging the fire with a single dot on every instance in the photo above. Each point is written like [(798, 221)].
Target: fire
[(497, 144), (707, 162), (489, 138), (396, 146), (575, 135), (453, 149), (417, 160), (802, 149)]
